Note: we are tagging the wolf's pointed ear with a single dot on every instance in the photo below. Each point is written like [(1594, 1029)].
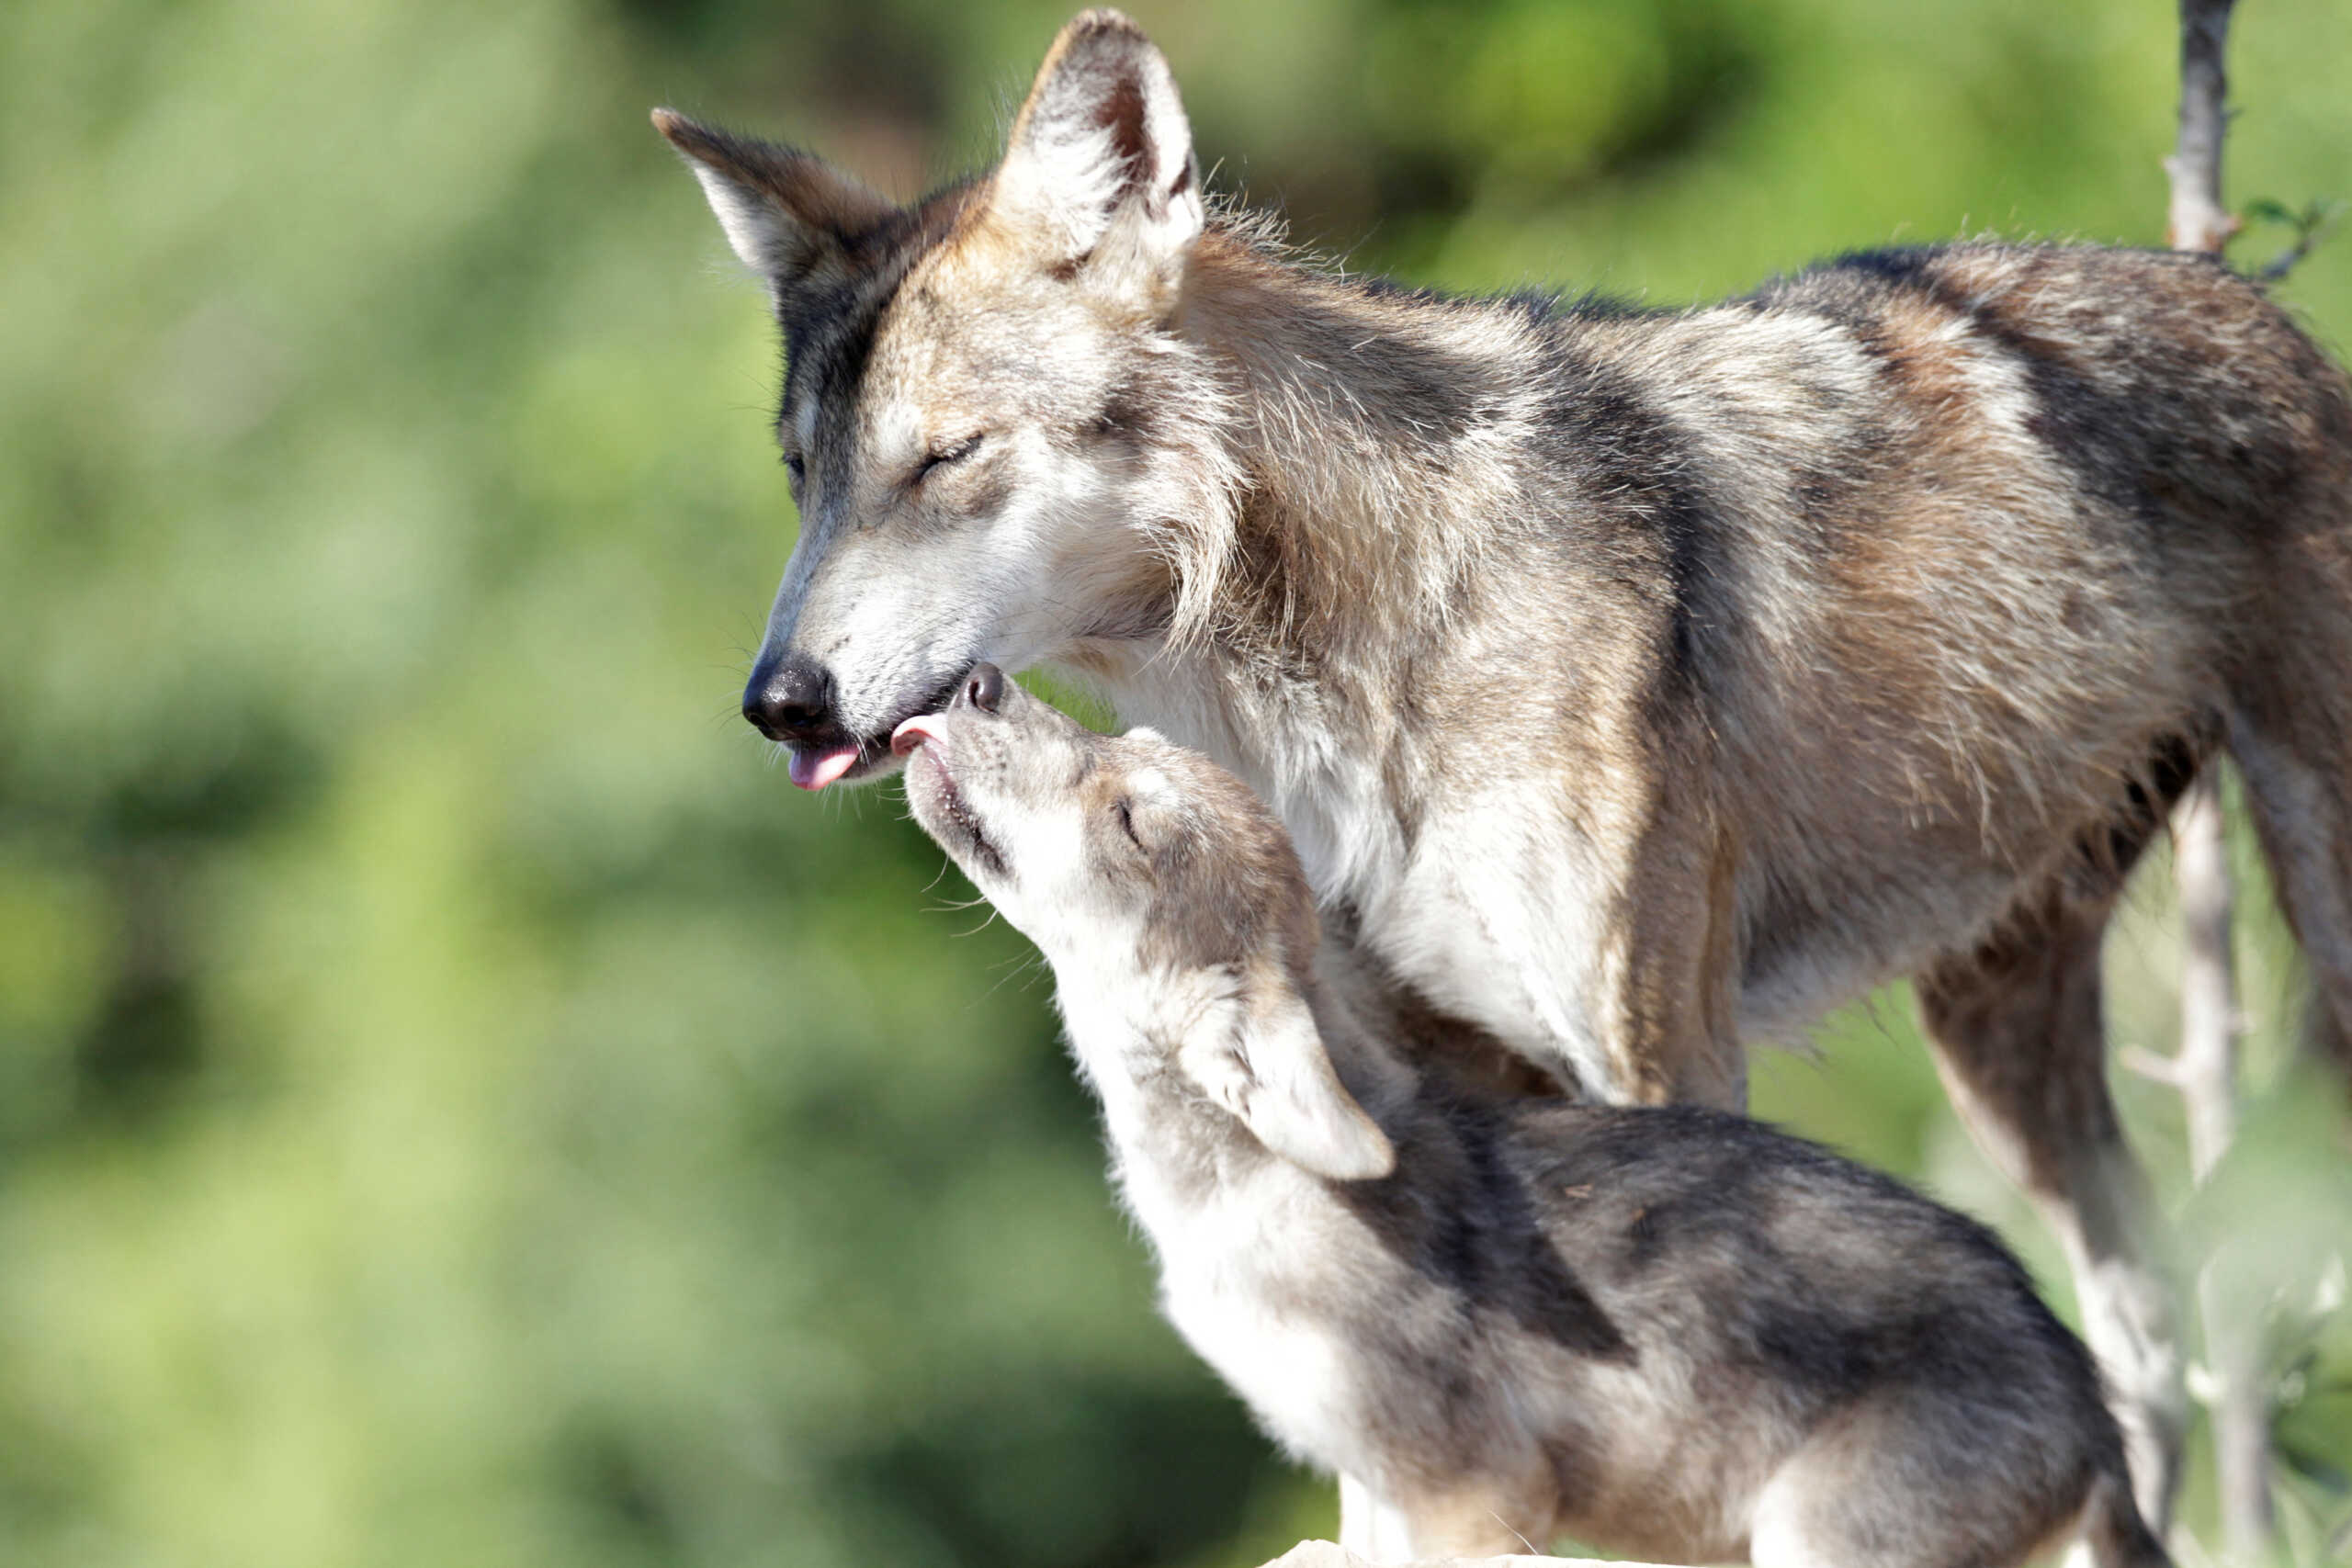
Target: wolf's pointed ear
[(1270, 1070), (1101, 156), (791, 218)]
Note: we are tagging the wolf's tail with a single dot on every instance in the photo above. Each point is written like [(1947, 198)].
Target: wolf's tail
[(2113, 1530)]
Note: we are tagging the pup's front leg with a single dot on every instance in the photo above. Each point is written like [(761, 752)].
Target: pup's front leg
[(1480, 1522), (1370, 1526)]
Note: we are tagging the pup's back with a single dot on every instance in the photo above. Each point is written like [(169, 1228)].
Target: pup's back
[(1723, 1341), (1669, 1332)]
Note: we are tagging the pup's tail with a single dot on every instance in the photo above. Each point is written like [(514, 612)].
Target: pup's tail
[(2113, 1530)]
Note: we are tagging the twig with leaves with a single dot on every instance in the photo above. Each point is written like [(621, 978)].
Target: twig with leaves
[(2312, 222)]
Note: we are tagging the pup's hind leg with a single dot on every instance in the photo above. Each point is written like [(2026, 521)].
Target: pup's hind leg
[(1912, 1479), (2018, 1041)]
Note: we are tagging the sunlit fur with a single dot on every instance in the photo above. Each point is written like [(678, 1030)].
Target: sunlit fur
[(1635, 684), (1664, 1331)]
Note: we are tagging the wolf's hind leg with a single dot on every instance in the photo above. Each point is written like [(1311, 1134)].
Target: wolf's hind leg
[(2297, 765), (2018, 1041)]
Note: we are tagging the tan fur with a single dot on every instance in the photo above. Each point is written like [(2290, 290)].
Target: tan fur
[(1635, 685)]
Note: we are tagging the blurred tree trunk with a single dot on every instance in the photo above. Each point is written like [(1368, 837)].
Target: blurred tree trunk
[(2205, 1070)]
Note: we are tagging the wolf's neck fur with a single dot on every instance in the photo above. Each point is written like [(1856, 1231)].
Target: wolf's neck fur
[(1352, 413), (1356, 420)]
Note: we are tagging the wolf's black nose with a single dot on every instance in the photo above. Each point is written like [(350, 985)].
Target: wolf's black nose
[(791, 699), (983, 688)]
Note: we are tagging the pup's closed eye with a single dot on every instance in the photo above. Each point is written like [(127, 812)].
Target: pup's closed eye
[(1124, 809)]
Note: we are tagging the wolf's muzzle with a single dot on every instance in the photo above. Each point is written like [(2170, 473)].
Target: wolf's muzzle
[(791, 699)]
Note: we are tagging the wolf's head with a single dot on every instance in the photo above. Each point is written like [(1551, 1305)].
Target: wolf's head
[(1166, 896), (991, 430)]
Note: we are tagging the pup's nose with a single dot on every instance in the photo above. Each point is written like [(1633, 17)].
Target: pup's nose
[(983, 688), (790, 699)]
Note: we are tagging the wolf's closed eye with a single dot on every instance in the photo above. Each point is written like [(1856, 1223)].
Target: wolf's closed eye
[(1124, 811), (954, 453)]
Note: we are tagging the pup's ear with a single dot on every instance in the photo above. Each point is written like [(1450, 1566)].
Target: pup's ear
[(1270, 1070), (1099, 171), (792, 217)]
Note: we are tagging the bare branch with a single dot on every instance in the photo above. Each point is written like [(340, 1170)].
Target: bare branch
[(2144, 1063), (2285, 261), (2198, 220), (2206, 1069)]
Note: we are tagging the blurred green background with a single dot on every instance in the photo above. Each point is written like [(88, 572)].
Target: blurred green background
[(456, 1103)]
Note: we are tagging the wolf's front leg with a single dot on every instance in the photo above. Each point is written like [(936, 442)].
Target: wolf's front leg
[(2019, 1041), (1596, 936)]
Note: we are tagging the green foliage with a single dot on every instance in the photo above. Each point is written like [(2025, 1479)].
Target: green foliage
[(2308, 225), (456, 1104)]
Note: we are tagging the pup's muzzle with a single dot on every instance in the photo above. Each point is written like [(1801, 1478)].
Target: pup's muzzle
[(982, 692)]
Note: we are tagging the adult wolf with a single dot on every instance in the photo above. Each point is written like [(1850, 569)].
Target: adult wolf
[(1633, 683)]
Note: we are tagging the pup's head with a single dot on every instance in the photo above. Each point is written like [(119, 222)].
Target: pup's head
[(1146, 871), (990, 439)]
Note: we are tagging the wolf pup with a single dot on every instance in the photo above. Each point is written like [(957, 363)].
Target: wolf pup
[(1633, 683), (1664, 1331)]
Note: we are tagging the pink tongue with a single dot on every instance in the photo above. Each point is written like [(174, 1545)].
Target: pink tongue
[(815, 770), (913, 732)]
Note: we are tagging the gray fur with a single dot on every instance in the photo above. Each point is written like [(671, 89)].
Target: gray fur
[(1635, 685), (1666, 1331)]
